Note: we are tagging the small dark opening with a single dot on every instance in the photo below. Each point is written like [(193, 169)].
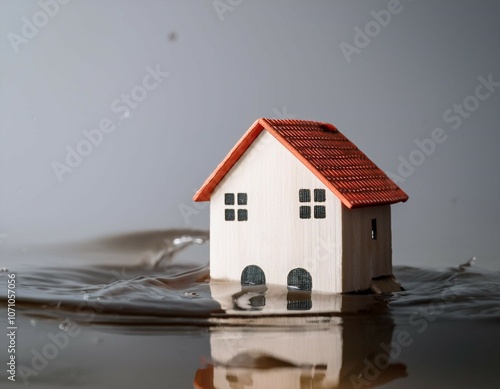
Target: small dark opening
[(253, 275), (229, 198), (319, 195), (229, 214), (305, 212), (374, 229), (250, 298), (304, 195), (242, 198), (299, 279), (242, 215)]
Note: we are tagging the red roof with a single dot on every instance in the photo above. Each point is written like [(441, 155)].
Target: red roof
[(327, 153)]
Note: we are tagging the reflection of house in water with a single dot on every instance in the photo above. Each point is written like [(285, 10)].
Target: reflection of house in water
[(297, 351)]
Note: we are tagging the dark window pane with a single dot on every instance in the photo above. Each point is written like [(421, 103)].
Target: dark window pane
[(319, 195), (305, 212), (374, 229), (299, 279), (304, 195), (229, 198), (242, 215), (253, 275), (242, 199), (229, 214), (319, 211)]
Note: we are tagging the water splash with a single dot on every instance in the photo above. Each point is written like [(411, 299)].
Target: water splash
[(174, 246), (469, 263), (158, 288)]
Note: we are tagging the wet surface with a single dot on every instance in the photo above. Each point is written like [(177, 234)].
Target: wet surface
[(153, 311)]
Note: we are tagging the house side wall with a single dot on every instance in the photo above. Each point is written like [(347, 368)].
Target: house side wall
[(274, 237), (363, 257)]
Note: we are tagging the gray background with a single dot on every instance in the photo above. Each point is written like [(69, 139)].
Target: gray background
[(259, 58)]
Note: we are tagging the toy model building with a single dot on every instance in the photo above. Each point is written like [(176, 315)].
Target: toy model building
[(296, 203)]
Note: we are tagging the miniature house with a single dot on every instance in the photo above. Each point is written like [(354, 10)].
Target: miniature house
[(296, 203)]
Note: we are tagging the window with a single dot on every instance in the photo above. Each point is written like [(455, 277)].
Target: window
[(319, 197), (305, 212), (319, 212), (230, 214), (299, 279), (229, 199), (298, 300), (374, 229), (242, 199), (304, 195), (242, 215), (253, 275)]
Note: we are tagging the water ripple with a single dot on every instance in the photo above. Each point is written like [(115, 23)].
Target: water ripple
[(161, 289)]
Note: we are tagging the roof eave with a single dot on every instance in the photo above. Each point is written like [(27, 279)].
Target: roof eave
[(204, 193), (227, 163), (376, 203)]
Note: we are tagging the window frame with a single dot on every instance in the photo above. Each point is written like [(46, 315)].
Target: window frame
[(312, 207), (232, 203)]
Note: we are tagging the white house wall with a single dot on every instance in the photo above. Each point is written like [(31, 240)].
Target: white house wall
[(274, 237), (364, 257)]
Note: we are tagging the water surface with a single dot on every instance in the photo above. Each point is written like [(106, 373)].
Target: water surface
[(138, 310)]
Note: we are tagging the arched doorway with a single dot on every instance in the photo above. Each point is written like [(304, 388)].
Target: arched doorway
[(253, 275), (299, 279)]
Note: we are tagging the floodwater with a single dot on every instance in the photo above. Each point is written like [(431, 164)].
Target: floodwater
[(138, 311)]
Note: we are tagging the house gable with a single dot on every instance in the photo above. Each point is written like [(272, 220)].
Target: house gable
[(328, 154), (275, 237)]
